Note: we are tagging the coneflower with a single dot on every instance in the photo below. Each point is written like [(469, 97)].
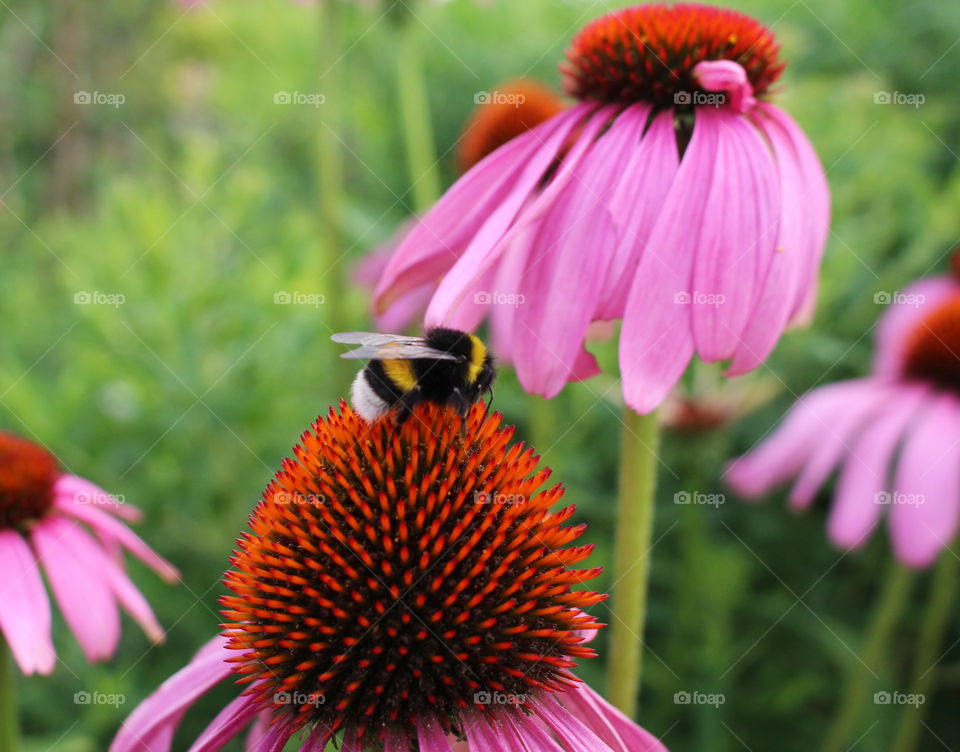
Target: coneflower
[(402, 588)]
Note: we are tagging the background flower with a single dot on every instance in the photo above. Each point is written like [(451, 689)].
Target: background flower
[(893, 433), (46, 519)]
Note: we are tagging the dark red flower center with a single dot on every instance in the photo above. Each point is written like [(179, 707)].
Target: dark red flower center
[(504, 114), (27, 475), (647, 53), (933, 350), (396, 574)]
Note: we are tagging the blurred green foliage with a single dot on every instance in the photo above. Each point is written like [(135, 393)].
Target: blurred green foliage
[(195, 200)]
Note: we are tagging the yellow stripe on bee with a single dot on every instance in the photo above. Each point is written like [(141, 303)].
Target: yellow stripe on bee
[(400, 372), (477, 357)]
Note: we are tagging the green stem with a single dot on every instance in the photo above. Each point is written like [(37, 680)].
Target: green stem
[(330, 182), (542, 416), (631, 563), (415, 116), (883, 619), (8, 701), (943, 593)]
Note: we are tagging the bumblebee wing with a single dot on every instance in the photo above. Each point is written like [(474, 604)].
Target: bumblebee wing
[(399, 351), (372, 339)]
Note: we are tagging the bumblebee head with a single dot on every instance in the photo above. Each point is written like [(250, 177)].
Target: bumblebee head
[(480, 369)]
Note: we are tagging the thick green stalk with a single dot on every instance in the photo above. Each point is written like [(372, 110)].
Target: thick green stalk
[(415, 115), (943, 594), (857, 693), (631, 564), (330, 182), (542, 415), (8, 701)]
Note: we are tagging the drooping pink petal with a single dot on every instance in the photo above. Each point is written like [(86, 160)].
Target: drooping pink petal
[(569, 729), (800, 240), (431, 737), (24, 606), (780, 456), (729, 77), (616, 730), (817, 199), (73, 488), (318, 740), (108, 527), (228, 723), (527, 734), (507, 220), (73, 561), (925, 508), (902, 318), (837, 433), (866, 473), (736, 241), (635, 204), (486, 199), (258, 731), (568, 263), (165, 707), (129, 597), (656, 340), (276, 739)]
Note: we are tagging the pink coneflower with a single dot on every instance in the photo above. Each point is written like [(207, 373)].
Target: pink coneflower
[(672, 196), (46, 518), (402, 588), (895, 433), (513, 108)]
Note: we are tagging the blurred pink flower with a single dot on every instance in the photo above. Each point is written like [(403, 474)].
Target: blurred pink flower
[(895, 433), (47, 517), (672, 196)]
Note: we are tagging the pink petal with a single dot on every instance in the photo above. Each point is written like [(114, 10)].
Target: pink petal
[(800, 240), (276, 739), (73, 563), (527, 734), (656, 340), (737, 239), (636, 203), (431, 737), (130, 598), (836, 432), (818, 204), (165, 707), (73, 488), (902, 318), (229, 722), (486, 199), (258, 731), (568, 264), (783, 454), (24, 606), (726, 76), (929, 473), (865, 474), (571, 732), (108, 527), (506, 221), (616, 730)]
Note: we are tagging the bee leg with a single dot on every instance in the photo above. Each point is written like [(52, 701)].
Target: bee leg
[(404, 405)]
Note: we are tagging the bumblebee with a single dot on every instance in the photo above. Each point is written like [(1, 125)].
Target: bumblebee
[(445, 366)]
